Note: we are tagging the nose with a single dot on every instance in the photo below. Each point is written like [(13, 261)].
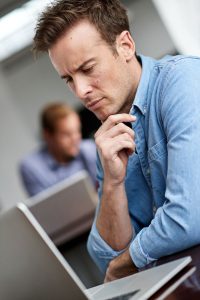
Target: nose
[(82, 88)]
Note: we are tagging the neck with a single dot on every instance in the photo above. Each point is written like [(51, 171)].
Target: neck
[(127, 106), (136, 72)]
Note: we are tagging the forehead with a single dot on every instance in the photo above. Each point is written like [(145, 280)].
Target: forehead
[(78, 43), (72, 120)]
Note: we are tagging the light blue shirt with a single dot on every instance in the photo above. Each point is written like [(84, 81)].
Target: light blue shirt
[(163, 178), (39, 170)]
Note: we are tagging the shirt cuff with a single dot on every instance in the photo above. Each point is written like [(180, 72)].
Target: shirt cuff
[(99, 250), (139, 257)]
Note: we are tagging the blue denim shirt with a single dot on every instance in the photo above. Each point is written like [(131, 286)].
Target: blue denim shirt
[(163, 177)]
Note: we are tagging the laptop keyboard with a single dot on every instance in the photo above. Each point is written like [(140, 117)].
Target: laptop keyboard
[(125, 296)]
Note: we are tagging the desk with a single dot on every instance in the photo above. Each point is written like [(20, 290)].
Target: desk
[(190, 287)]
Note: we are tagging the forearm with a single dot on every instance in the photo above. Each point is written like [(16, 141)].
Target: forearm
[(113, 220)]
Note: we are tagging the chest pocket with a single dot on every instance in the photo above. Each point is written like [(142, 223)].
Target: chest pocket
[(156, 152)]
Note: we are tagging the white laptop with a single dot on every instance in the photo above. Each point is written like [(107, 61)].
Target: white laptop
[(32, 268), (65, 210)]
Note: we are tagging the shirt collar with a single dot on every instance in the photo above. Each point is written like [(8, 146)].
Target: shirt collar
[(140, 99)]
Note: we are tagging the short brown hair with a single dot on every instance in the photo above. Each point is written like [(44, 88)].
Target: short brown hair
[(52, 113), (108, 16)]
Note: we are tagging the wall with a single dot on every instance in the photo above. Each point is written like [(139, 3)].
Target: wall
[(15, 142), (182, 21)]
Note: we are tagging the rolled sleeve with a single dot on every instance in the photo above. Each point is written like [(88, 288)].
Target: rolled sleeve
[(102, 253), (138, 256), (99, 250)]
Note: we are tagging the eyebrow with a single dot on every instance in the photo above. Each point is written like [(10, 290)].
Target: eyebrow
[(79, 68)]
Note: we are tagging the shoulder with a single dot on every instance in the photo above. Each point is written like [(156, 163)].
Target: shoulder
[(179, 93), (180, 66), (88, 151), (182, 79), (88, 145), (177, 81), (170, 62), (32, 160)]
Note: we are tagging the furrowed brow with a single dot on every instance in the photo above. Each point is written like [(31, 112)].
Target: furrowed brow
[(79, 68)]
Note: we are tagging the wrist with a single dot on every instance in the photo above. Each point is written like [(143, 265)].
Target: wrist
[(113, 187)]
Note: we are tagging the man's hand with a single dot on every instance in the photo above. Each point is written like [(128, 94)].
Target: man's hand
[(119, 267), (115, 142)]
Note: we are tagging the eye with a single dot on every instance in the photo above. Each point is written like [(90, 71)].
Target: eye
[(88, 70), (68, 79)]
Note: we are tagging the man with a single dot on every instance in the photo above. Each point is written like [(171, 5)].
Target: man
[(63, 153), (148, 176)]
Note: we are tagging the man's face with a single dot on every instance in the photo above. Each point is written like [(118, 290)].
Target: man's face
[(65, 141), (97, 76)]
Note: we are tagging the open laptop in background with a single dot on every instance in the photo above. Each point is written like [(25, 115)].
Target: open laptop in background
[(65, 210), (32, 267)]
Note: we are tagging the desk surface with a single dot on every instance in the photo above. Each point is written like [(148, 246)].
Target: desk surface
[(190, 287)]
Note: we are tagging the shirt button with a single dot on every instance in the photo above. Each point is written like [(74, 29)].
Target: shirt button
[(148, 171)]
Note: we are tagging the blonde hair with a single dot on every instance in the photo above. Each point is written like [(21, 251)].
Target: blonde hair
[(52, 113)]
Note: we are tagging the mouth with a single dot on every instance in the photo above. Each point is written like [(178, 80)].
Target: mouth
[(95, 104)]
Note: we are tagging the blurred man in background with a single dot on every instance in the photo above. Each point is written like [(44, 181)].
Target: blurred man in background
[(63, 153)]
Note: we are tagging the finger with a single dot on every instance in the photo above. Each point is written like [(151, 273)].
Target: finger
[(123, 141), (107, 278), (113, 120), (114, 145), (117, 130), (127, 147)]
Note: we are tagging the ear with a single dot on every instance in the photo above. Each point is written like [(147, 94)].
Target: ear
[(125, 45)]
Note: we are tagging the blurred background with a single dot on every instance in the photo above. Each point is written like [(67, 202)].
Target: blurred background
[(158, 27)]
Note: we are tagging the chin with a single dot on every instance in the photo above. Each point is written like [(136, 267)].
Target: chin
[(73, 154), (112, 110), (102, 116)]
